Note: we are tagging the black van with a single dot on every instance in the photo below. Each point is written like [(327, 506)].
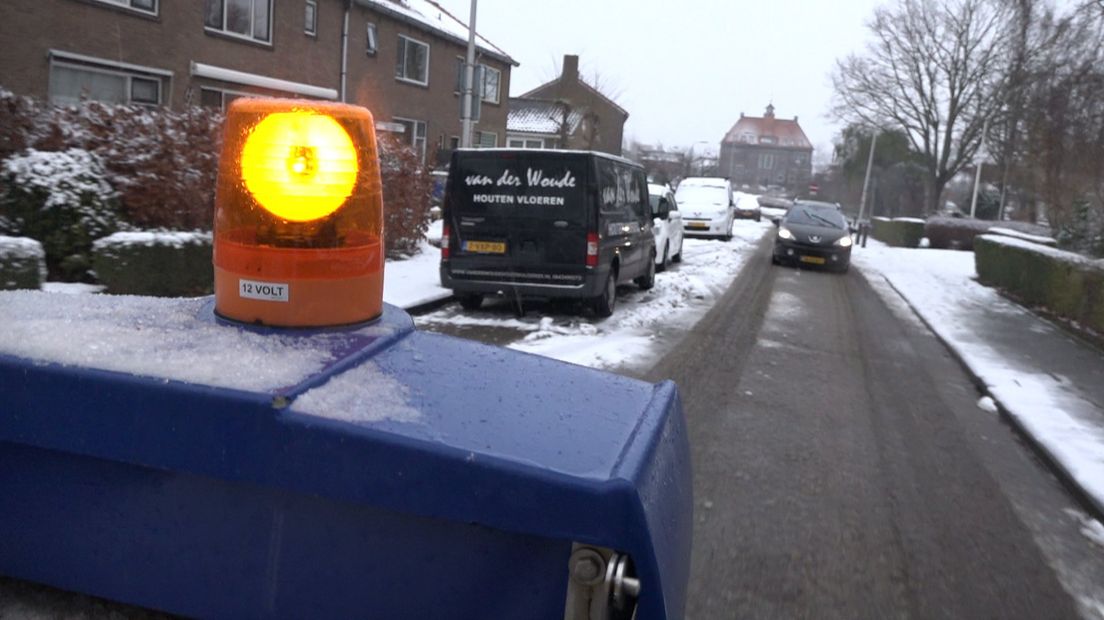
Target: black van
[(545, 223)]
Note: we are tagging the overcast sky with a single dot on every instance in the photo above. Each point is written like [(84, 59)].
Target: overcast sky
[(685, 70)]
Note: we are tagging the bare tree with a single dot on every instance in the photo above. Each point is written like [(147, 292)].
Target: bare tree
[(933, 71)]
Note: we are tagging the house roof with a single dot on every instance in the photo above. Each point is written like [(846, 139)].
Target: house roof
[(540, 116), (752, 130), (586, 86), (431, 16)]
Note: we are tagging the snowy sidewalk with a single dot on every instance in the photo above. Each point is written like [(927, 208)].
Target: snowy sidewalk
[(1050, 384), (414, 281)]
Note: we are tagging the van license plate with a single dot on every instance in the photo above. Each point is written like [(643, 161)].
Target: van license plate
[(697, 225), (485, 247), (816, 260)]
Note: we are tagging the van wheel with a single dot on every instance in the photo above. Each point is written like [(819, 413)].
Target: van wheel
[(677, 258), (471, 302), (666, 258), (647, 281), (605, 303)]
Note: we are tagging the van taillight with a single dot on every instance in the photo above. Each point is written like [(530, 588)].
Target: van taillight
[(592, 250), (446, 233)]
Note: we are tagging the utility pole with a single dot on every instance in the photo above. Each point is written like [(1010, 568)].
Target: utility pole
[(977, 173), (866, 181), (469, 87)]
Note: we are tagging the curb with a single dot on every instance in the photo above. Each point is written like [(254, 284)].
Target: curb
[(1088, 502)]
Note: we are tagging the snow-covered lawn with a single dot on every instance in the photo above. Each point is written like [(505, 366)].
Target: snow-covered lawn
[(681, 296), (1032, 372)]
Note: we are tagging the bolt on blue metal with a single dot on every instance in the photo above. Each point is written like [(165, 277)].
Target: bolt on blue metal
[(153, 455)]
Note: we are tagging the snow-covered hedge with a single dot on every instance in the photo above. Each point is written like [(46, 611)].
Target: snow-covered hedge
[(901, 232), (164, 163), (61, 199), (163, 264), (957, 233), (22, 263), (1065, 284)]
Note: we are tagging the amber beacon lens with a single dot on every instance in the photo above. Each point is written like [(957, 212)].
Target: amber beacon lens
[(298, 215), (300, 166)]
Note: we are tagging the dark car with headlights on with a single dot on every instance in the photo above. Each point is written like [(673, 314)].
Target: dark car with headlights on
[(813, 233)]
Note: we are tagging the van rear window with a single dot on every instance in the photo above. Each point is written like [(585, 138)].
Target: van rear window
[(521, 185)]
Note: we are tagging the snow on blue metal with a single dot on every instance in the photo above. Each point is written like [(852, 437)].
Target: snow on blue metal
[(454, 490)]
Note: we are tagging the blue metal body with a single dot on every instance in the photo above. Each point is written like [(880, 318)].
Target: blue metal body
[(213, 502)]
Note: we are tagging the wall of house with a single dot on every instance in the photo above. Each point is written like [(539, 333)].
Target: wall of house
[(759, 165), (603, 130), (372, 82), (175, 36)]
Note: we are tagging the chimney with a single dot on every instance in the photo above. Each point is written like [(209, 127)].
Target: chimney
[(570, 71), (795, 118)]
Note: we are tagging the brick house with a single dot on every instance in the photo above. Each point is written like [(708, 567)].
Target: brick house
[(400, 58), (566, 113), (767, 151)]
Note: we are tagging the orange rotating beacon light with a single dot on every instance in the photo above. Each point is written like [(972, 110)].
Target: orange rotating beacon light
[(298, 215)]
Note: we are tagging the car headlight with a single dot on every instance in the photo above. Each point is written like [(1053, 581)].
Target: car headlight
[(844, 241), (784, 233)]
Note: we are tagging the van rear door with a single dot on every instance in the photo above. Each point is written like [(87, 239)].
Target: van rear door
[(518, 216)]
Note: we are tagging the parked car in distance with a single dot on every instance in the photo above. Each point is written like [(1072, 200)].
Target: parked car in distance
[(775, 201), (546, 224), (667, 225), (707, 206), (813, 233), (747, 207)]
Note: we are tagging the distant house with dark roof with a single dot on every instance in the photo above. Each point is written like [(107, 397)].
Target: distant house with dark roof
[(767, 151), (566, 113)]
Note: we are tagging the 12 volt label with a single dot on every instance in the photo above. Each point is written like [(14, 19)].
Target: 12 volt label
[(265, 291)]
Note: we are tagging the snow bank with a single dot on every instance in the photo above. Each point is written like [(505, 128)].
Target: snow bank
[(175, 239), (1015, 234), (21, 248)]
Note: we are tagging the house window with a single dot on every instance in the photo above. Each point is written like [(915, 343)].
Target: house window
[(371, 45), (412, 64), (487, 139), (219, 98), (414, 132), (71, 83), (525, 143), (145, 6), (491, 77), (310, 19), (249, 19), (454, 142), (766, 161)]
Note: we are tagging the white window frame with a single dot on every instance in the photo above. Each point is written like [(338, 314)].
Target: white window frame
[(498, 84), (414, 136), (130, 71), (129, 5), (313, 29), (526, 142), (371, 38), (403, 78), (237, 35)]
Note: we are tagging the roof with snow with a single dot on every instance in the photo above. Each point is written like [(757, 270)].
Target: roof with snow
[(428, 15), (540, 116), (768, 131)]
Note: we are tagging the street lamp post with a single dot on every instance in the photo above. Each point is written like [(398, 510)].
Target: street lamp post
[(469, 87)]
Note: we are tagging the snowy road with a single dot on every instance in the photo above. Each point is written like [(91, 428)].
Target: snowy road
[(843, 469)]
